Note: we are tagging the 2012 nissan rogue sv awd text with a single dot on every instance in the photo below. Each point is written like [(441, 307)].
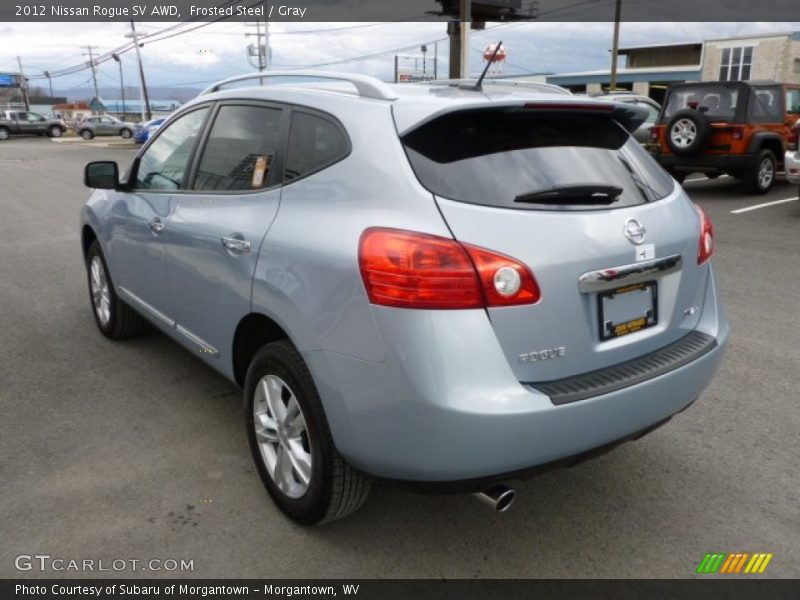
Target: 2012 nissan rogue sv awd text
[(436, 285)]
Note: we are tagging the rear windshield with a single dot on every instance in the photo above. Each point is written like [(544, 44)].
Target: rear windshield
[(717, 102), (513, 157)]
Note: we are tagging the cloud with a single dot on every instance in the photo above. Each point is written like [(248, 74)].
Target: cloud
[(219, 50)]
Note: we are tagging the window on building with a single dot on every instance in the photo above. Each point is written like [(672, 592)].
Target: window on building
[(736, 64), (797, 65)]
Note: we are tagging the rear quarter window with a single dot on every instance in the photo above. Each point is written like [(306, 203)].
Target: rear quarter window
[(315, 142), (496, 156)]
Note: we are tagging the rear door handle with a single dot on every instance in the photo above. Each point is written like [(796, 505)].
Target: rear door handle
[(156, 226), (236, 245)]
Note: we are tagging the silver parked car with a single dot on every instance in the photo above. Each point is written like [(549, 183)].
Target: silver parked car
[(653, 108), (104, 125), (432, 286), (792, 158)]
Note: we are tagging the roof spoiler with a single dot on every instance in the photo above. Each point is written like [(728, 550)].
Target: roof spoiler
[(624, 113)]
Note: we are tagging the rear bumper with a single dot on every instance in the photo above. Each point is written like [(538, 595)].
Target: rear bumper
[(792, 164), (458, 416), (705, 162)]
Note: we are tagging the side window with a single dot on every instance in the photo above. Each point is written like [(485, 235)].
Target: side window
[(240, 149), (793, 101), (165, 161), (314, 143), (765, 106)]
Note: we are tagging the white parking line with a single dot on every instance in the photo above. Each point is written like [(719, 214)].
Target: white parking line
[(763, 205), (703, 177)]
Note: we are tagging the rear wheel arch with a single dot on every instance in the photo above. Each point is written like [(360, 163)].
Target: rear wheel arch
[(765, 140), (253, 332)]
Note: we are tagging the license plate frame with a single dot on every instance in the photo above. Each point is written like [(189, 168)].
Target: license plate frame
[(610, 330)]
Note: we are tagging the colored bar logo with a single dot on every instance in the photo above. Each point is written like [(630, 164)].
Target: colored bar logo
[(734, 563)]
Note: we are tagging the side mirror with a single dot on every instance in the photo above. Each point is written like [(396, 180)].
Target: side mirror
[(101, 175)]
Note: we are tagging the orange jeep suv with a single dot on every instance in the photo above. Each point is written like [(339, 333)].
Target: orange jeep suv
[(741, 128)]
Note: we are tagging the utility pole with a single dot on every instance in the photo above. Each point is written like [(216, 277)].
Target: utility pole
[(52, 104), (261, 47), (118, 58), (146, 114), (615, 45), (466, 24), (94, 72), (435, 60), (23, 85), (458, 31)]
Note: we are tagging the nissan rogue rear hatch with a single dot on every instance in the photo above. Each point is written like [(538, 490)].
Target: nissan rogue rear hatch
[(569, 193)]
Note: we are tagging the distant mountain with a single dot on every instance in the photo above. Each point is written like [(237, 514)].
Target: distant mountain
[(156, 92)]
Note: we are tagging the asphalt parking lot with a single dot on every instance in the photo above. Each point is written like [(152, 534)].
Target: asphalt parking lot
[(136, 450)]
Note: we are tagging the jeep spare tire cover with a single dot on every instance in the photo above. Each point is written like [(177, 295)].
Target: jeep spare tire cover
[(687, 131)]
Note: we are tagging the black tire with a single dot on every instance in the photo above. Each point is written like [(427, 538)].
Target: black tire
[(756, 181), (679, 176), (4, 133), (699, 125), (123, 321), (126, 134), (86, 134), (335, 489), (55, 131)]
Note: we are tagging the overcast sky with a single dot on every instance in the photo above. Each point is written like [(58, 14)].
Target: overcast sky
[(218, 50)]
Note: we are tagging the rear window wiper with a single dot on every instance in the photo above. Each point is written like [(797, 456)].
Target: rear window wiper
[(573, 194)]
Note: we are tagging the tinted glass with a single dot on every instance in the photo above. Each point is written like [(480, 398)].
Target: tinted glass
[(766, 105), (164, 163), (314, 143), (793, 101), (240, 149), (496, 156), (717, 102)]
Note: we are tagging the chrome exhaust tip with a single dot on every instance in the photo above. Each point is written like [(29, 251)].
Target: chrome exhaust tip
[(500, 497)]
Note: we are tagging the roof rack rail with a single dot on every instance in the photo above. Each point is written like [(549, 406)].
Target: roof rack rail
[(366, 86)]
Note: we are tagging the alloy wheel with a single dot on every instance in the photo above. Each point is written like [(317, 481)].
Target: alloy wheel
[(683, 133), (101, 294), (766, 173), (282, 436)]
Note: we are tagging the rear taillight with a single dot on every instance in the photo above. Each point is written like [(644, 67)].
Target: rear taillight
[(737, 132), (794, 132), (416, 270), (706, 246), (655, 131)]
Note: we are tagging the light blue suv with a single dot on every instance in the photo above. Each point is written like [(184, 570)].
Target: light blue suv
[(445, 287)]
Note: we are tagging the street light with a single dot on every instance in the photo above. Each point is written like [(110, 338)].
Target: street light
[(145, 99), (117, 58), (52, 104)]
